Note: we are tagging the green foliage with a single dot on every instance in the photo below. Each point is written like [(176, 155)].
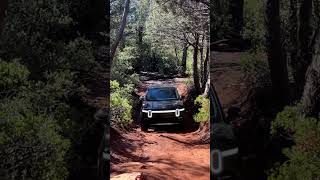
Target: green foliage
[(36, 31), (30, 120), (42, 82), (303, 157), (31, 30), (168, 65), (204, 111), (36, 121), (220, 27), (12, 75), (122, 69), (31, 145), (121, 105), (79, 55), (254, 29), (256, 71)]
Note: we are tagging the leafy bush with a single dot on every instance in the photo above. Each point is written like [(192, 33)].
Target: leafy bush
[(123, 67), (204, 111), (253, 29), (303, 157), (121, 105), (46, 66), (168, 65), (12, 75), (31, 145), (79, 55), (256, 71), (36, 32)]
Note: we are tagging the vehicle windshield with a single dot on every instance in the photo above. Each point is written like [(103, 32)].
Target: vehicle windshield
[(162, 94)]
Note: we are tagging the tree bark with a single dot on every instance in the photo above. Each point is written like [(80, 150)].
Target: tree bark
[(304, 44), (140, 34), (311, 94), (276, 60), (195, 65), (293, 19), (201, 67), (184, 59), (121, 30), (205, 66)]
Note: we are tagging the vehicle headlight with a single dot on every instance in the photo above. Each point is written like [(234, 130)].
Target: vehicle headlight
[(145, 105)]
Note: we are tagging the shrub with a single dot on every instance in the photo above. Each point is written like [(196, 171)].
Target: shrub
[(123, 67), (303, 158), (256, 71), (121, 105), (168, 65), (253, 29), (31, 145), (79, 55), (12, 75), (204, 111)]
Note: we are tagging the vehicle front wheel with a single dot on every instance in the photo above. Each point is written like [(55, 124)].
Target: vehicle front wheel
[(144, 126)]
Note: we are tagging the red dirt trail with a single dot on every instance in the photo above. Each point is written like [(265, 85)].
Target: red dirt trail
[(163, 153)]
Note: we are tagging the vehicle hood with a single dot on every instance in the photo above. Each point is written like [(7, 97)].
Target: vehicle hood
[(162, 105)]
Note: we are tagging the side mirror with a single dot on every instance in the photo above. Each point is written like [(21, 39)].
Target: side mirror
[(142, 98)]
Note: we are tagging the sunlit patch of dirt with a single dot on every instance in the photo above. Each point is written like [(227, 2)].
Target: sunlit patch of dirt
[(163, 155)]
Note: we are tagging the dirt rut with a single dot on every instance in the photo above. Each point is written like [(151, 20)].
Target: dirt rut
[(164, 155)]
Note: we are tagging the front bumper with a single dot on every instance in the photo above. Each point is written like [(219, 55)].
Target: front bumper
[(154, 114)]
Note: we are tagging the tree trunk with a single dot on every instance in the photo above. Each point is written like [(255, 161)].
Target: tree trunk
[(195, 65), (293, 19), (207, 88), (176, 53), (140, 34), (205, 66), (276, 60), (304, 44), (121, 30), (201, 68), (311, 94), (184, 59)]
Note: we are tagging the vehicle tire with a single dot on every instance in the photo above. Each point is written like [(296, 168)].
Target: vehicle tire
[(144, 126)]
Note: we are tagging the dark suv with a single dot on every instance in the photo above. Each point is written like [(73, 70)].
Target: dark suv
[(161, 105), (224, 147)]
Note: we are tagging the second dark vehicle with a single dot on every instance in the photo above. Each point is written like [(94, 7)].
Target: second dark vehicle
[(225, 159), (161, 105)]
